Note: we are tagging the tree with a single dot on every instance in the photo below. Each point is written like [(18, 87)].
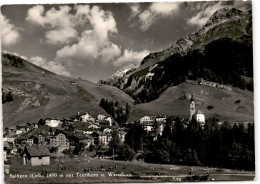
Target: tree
[(127, 109), (79, 147), (125, 152), (114, 143), (41, 122)]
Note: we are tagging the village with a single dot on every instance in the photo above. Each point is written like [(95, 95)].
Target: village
[(52, 137), (53, 140)]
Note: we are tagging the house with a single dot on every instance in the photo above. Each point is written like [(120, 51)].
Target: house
[(101, 138), (146, 119), (18, 132), (109, 120), (200, 118), (6, 150), (9, 139), (160, 119), (121, 136), (41, 139), (60, 141), (87, 117), (149, 76), (53, 122), (107, 130), (6, 131), (148, 126), (88, 132), (35, 125), (104, 138), (36, 155), (87, 141), (93, 126), (32, 140), (101, 117), (160, 129)]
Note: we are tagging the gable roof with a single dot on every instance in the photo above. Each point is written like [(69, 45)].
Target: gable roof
[(35, 151), (199, 112)]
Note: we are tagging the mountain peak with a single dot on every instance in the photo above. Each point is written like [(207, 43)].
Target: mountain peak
[(121, 72), (223, 19), (222, 14)]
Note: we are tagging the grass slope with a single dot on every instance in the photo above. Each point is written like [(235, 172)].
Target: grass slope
[(174, 101), (38, 93)]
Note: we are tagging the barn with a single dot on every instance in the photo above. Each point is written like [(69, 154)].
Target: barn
[(36, 155)]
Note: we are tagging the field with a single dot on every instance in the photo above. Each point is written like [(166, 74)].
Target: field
[(97, 170)]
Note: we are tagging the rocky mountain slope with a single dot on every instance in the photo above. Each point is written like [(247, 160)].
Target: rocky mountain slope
[(205, 54), (37, 93), (120, 73)]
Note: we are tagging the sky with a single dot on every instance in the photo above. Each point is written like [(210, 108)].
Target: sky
[(93, 41)]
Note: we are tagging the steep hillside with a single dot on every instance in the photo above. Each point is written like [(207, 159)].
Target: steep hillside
[(221, 51), (37, 93), (233, 105)]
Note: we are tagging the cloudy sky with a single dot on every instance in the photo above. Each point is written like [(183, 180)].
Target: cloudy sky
[(92, 41)]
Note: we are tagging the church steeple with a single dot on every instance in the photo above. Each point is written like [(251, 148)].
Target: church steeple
[(191, 98), (192, 107)]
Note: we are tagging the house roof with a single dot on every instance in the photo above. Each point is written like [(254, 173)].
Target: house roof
[(35, 151), (198, 112)]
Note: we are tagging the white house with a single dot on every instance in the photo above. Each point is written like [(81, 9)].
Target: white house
[(148, 126), (36, 155), (146, 119), (88, 132), (53, 122), (200, 117), (149, 76), (121, 135), (60, 141), (101, 117), (18, 132), (87, 117), (107, 130), (161, 119), (105, 138), (110, 120), (93, 126), (160, 129)]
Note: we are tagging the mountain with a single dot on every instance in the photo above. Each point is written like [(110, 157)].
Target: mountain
[(30, 93), (120, 73), (221, 51)]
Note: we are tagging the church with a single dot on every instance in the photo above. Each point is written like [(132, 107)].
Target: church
[(198, 115)]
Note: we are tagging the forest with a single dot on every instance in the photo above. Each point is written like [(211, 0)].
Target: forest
[(223, 146), (119, 112)]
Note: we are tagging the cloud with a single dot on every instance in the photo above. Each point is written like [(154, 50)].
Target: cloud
[(155, 11), (130, 56), (164, 8), (93, 43), (135, 10), (60, 22), (9, 34), (205, 12), (52, 66)]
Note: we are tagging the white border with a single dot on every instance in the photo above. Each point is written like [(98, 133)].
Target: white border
[(256, 42)]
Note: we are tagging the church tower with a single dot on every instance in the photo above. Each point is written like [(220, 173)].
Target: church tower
[(192, 107)]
